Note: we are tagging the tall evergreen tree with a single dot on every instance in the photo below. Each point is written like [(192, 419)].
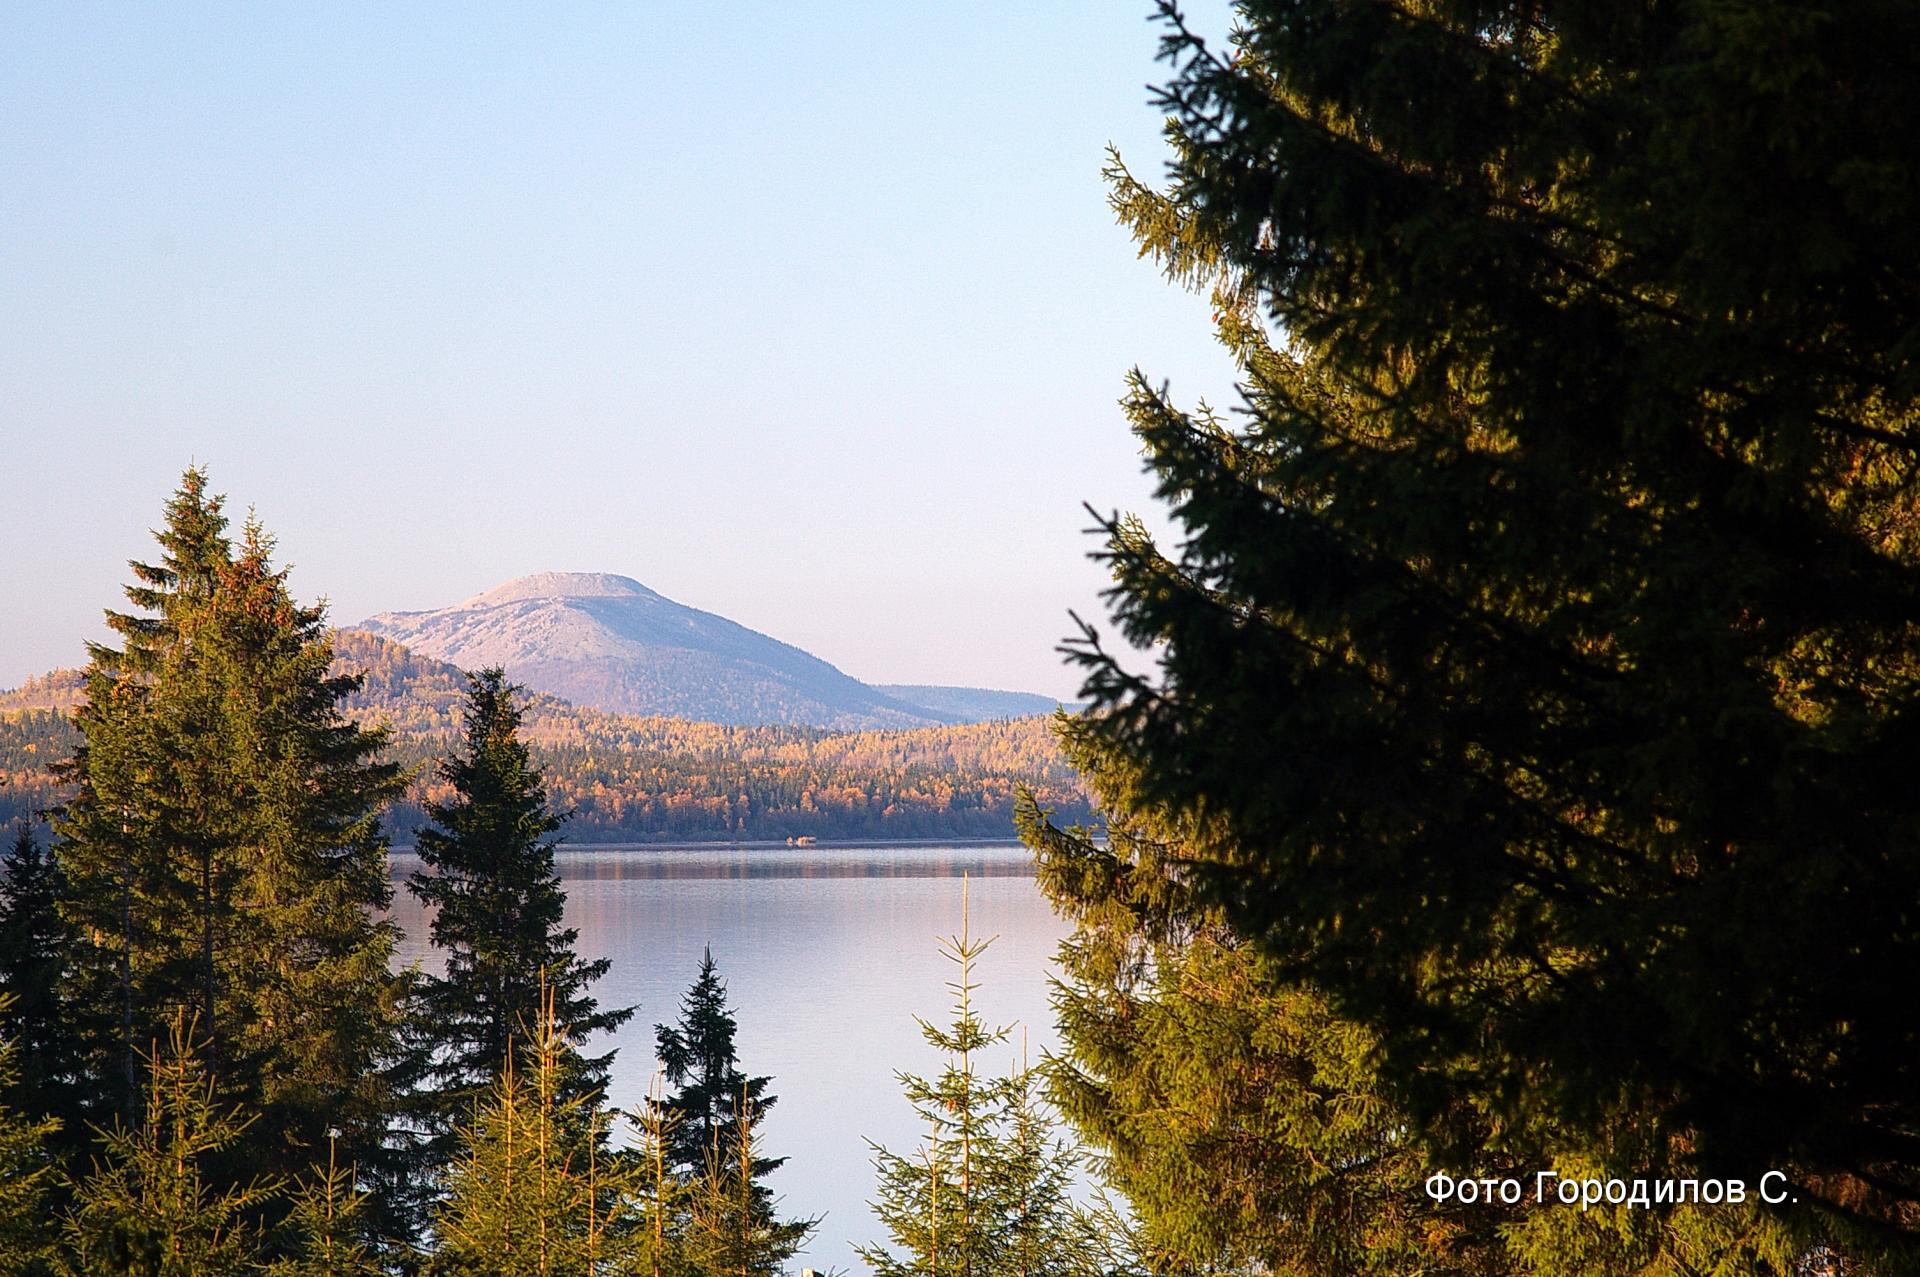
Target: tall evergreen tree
[(1538, 661), (35, 947), (313, 1003), (125, 895), (222, 854), (500, 910), (1250, 1128)]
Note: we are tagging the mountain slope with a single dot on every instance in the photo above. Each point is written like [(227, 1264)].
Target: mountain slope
[(609, 642)]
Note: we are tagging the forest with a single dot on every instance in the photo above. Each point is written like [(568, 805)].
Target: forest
[(1518, 798), (629, 779)]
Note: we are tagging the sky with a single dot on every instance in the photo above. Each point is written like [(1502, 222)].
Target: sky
[(814, 316)]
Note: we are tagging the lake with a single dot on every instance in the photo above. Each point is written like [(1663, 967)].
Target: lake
[(828, 953)]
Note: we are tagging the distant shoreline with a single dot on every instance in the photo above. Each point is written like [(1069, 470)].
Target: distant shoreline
[(821, 844)]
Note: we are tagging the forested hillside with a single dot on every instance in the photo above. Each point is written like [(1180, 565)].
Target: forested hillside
[(646, 779)]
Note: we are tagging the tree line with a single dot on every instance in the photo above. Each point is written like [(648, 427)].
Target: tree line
[(628, 778)]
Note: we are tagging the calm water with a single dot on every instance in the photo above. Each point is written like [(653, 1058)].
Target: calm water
[(828, 954)]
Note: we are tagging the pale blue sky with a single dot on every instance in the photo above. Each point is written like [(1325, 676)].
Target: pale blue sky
[(812, 315)]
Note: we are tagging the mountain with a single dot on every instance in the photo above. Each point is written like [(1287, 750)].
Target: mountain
[(972, 704), (611, 643)]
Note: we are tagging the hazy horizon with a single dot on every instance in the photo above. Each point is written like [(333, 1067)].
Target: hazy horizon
[(815, 319)]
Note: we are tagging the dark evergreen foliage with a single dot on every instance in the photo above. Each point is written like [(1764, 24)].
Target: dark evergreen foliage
[(499, 915), (1538, 656), (704, 1068), (126, 893), (709, 1123), (29, 1173), (35, 946), (1245, 1123)]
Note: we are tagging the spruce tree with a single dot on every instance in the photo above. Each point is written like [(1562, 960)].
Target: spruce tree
[(314, 1004), (662, 1197), (1536, 660), (1044, 1231), (155, 1204), (328, 1226), (126, 896), (489, 875), (710, 1125), (704, 1067), (987, 1194), (1245, 1124), (532, 1190), (730, 1229), (222, 854), (36, 945)]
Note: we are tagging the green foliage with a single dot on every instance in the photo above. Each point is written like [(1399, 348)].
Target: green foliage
[(126, 896), (533, 1191), (1044, 1232), (222, 853), (1537, 666), (328, 1227), (153, 1205), (1250, 1127), (499, 913), (988, 1193), (730, 1228), (1244, 1122), (27, 1172), (702, 1064), (662, 1197)]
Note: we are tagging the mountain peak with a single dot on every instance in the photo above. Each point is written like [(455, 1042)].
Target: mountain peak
[(561, 585), (607, 641)]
